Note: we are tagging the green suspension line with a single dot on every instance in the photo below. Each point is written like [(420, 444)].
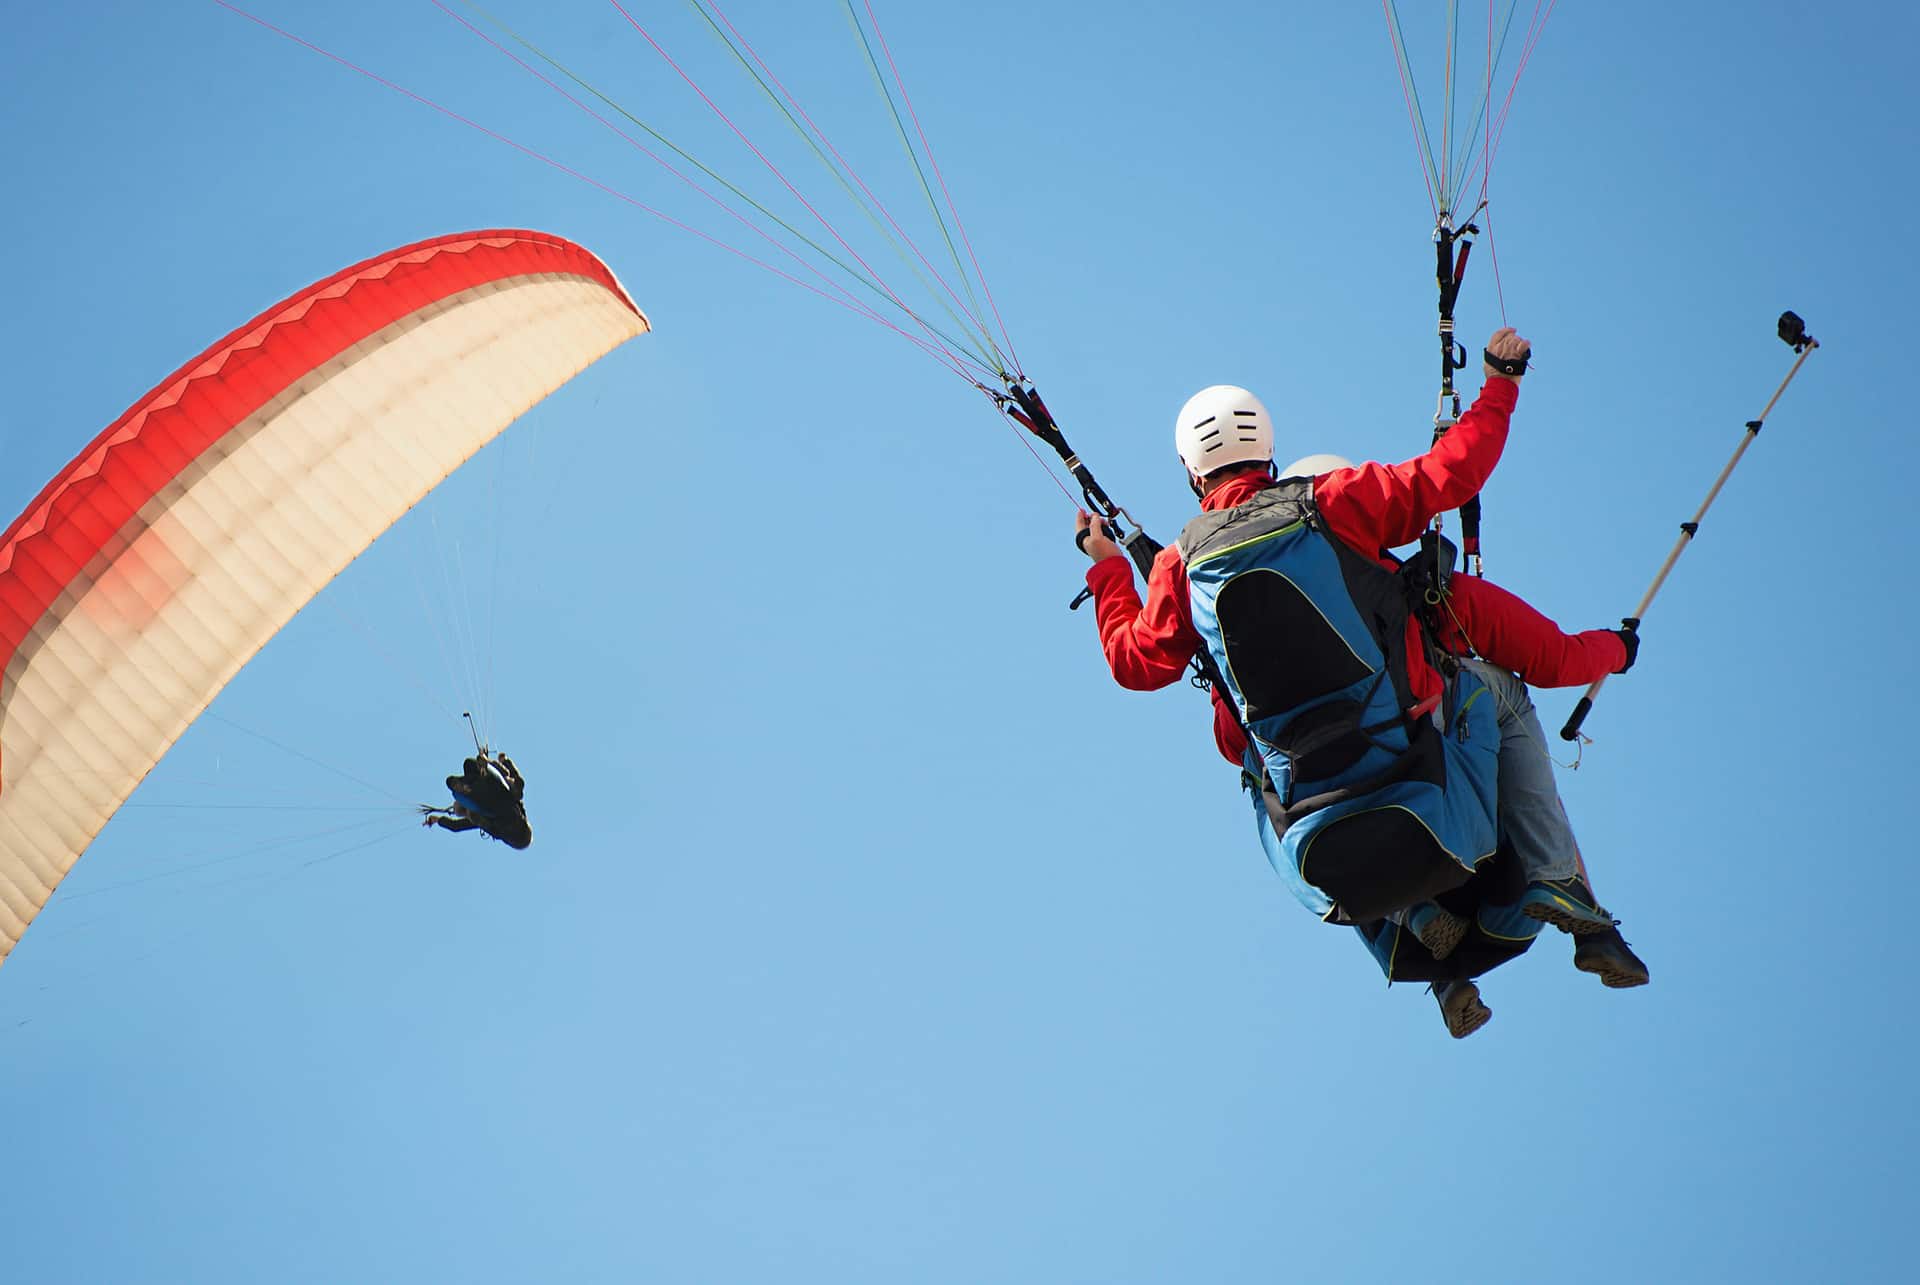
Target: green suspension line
[(900, 126), (981, 360), (975, 328)]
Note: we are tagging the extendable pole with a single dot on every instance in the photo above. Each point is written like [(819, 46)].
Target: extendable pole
[(1793, 331)]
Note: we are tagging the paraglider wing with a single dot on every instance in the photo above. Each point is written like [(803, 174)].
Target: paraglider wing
[(184, 536)]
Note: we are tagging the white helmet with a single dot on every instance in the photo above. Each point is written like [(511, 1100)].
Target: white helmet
[(1222, 425), (1315, 465)]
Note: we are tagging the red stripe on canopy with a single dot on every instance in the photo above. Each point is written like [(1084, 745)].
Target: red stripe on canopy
[(89, 503)]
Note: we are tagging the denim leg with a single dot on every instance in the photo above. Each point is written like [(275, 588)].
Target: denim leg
[(1531, 817)]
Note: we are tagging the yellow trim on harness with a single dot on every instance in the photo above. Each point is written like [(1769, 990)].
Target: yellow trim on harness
[(1307, 847), (1246, 544), (1499, 936), (1458, 723)]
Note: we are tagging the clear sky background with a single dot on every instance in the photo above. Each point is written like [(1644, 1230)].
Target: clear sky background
[(871, 933)]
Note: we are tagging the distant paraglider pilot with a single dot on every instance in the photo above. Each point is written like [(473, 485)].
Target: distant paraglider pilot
[(488, 795)]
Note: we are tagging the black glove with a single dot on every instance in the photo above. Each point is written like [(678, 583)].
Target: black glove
[(1629, 634)]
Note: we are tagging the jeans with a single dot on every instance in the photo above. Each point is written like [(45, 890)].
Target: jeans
[(1531, 816)]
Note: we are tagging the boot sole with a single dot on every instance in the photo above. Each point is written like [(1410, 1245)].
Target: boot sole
[(1611, 974), (1567, 921), (1443, 935), (1464, 1013)]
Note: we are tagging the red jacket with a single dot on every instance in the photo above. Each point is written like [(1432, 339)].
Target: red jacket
[(1371, 508), (1502, 629)]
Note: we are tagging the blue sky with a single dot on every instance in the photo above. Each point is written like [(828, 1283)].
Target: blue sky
[(871, 933)]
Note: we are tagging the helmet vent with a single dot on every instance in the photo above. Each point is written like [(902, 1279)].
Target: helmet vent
[(1222, 425)]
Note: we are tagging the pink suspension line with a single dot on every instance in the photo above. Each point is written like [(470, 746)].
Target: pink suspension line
[(849, 300), (1535, 27), (1413, 117), (618, 195), (773, 169), (844, 163), (1495, 132), (928, 148)]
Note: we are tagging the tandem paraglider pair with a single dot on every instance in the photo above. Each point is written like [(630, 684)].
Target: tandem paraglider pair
[(489, 795), (1387, 765), (1378, 706)]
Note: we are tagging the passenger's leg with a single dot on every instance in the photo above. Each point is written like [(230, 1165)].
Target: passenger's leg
[(1531, 815), (1532, 818)]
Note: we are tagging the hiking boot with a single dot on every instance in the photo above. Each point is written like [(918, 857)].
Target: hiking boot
[(1460, 1008), (1438, 930), (1606, 955), (1567, 904)]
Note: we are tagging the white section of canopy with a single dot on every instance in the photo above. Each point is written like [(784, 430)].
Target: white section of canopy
[(243, 540)]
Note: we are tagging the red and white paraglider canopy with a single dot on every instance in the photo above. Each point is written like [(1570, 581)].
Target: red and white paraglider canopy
[(184, 536)]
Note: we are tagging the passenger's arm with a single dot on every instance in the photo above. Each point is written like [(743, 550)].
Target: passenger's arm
[(1507, 631)]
